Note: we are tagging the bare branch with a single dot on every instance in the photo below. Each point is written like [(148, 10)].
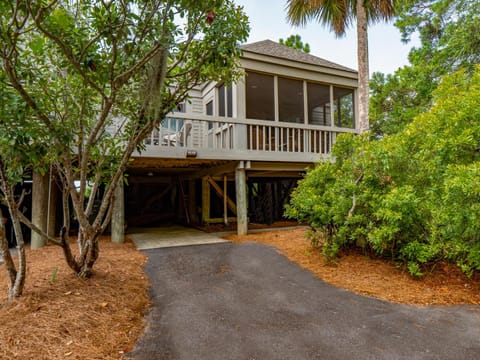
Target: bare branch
[(35, 228), (107, 219), (91, 199)]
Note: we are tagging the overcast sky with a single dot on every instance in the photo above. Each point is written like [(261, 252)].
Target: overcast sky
[(268, 21)]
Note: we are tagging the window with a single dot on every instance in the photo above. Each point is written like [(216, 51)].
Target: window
[(225, 101), (209, 108), (343, 110), (318, 104), (260, 102), (290, 100)]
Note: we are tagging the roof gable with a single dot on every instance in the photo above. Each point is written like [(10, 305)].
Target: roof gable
[(273, 49)]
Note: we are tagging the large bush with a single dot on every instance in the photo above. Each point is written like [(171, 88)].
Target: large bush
[(413, 196)]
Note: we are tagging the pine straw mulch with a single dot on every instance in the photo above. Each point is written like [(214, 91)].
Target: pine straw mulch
[(71, 318), (445, 285)]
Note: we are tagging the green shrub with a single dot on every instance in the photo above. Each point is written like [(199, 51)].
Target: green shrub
[(413, 196)]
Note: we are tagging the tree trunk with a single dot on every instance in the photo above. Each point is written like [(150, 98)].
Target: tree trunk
[(17, 288), (363, 69), (89, 251), (7, 257), (16, 277)]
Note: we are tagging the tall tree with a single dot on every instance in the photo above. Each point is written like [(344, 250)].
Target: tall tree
[(449, 40), (295, 42), (338, 16), (99, 76)]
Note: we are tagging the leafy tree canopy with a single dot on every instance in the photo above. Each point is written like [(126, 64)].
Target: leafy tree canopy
[(93, 78), (449, 40)]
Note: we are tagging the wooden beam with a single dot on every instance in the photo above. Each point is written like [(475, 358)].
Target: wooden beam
[(278, 166), (216, 170), (275, 174), (136, 179), (205, 200), (220, 220), (218, 190)]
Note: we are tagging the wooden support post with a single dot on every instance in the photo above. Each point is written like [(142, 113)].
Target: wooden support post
[(222, 195), (225, 197), (192, 204), (205, 200), (39, 208), (118, 214), (241, 194)]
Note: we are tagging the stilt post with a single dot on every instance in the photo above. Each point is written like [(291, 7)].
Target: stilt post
[(241, 195), (205, 200), (39, 208), (118, 214)]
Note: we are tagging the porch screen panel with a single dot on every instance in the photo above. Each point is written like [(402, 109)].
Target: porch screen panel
[(343, 110), (318, 97), (229, 101), (290, 100), (225, 101), (259, 97), (221, 100)]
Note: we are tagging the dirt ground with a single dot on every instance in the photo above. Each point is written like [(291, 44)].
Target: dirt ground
[(445, 285), (63, 317)]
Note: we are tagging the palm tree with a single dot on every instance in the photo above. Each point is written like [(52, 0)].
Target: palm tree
[(338, 16)]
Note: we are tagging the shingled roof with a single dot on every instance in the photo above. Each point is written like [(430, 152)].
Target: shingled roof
[(271, 48)]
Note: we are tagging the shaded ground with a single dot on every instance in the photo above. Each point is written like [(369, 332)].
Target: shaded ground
[(446, 285), (245, 301), (71, 318)]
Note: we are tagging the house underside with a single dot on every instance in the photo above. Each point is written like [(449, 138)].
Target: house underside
[(201, 192)]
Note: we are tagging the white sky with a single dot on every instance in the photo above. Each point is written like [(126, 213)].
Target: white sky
[(387, 53)]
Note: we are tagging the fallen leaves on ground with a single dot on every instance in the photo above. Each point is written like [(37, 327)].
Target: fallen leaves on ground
[(445, 285), (62, 316)]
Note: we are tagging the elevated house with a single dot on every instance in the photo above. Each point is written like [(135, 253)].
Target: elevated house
[(233, 153)]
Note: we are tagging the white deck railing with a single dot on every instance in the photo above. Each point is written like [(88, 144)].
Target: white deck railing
[(200, 132)]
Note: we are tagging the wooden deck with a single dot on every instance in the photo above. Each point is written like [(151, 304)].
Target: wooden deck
[(183, 136)]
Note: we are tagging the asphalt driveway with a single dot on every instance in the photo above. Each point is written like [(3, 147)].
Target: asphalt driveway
[(246, 301)]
